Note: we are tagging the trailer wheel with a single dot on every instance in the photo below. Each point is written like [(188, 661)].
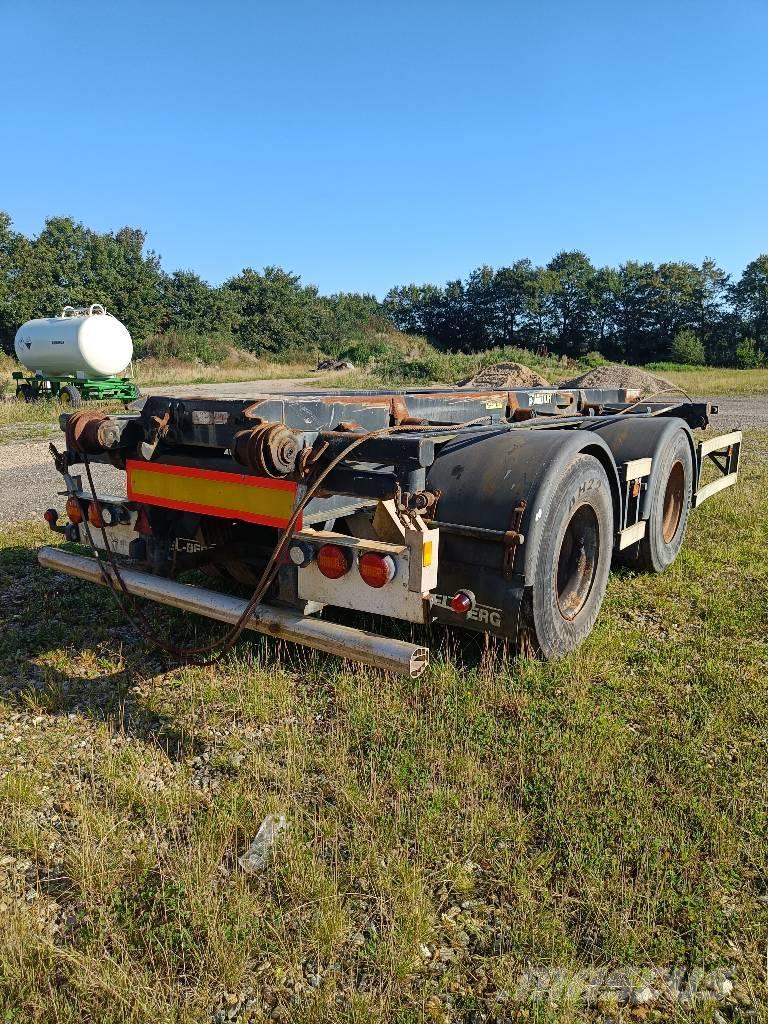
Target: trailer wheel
[(70, 396), (25, 391), (670, 503), (574, 560)]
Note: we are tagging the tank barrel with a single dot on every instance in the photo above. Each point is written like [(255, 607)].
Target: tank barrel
[(89, 343)]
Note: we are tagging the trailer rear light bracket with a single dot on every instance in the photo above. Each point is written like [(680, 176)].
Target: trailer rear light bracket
[(405, 596)]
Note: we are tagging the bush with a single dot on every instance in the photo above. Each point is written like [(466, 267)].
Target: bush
[(203, 348), (369, 350), (748, 355), (593, 359), (688, 348)]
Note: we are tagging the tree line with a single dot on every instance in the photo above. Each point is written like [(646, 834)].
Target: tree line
[(268, 312), (637, 312)]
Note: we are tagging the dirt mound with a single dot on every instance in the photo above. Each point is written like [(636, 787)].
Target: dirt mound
[(499, 376), (623, 377)]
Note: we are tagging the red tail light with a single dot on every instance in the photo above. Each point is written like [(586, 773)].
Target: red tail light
[(142, 523), (74, 511), (462, 602), (51, 516), (94, 515), (376, 570), (333, 561)]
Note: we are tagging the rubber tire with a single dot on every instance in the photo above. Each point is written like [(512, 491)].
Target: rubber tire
[(653, 553), (25, 391), (74, 399), (550, 632)]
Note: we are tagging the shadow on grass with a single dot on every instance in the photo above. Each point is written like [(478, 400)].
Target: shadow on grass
[(66, 648)]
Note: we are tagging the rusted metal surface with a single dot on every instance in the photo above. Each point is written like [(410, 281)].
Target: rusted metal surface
[(513, 538), (398, 410), (90, 432), (270, 449)]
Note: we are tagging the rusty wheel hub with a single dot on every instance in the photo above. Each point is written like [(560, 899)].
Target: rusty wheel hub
[(577, 562)]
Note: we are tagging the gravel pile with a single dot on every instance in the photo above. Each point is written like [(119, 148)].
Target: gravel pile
[(505, 375), (623, 377)]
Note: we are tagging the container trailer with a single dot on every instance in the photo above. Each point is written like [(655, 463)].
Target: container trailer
[(494, 511)]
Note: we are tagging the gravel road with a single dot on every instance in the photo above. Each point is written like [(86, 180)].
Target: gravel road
[(29, 483)]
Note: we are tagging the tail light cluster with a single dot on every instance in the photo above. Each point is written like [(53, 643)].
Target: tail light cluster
[(334, 561), (74, 510), (97, 513)]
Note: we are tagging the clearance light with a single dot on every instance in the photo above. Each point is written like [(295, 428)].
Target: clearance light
[(376, 570), (74, 511), (94, 515), (426, 554), (333, 561), (51, 516), (301, 554), (462, 602)]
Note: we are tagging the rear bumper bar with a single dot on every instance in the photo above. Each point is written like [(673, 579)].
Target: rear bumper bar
[(354, 644)]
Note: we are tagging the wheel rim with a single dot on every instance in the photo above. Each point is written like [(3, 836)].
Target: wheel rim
[(674, 497), (577, 561), (64, 398)]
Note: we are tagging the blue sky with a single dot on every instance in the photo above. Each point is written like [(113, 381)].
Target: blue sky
[(369, 144)]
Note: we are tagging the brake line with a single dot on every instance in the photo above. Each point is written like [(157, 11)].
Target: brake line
[(196, 655)]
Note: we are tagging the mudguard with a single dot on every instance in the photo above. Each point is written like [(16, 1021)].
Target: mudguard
[(634, 437), (501, 482)]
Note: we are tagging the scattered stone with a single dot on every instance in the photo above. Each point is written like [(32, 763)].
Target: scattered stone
[(642, 996), (258, 854)]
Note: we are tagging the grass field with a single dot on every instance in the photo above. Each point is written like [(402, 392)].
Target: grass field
[(719, 382), (446, 835), (241, 366)]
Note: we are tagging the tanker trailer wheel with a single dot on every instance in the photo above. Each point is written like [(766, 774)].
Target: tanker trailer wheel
[(70, 396), (670, 502), (574, 560), (25, 391)]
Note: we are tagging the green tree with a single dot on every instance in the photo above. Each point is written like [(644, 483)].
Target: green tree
[(604, 291), (274, 313), (415, 309), (750, 296), (568, 278), (687, 347), (634, 312), (349, 315), (190, 304), (715, 317), (748, 356), (514, 309), (14, 257)]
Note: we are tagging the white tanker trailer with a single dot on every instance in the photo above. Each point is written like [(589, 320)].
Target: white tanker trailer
[(74, 357)]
